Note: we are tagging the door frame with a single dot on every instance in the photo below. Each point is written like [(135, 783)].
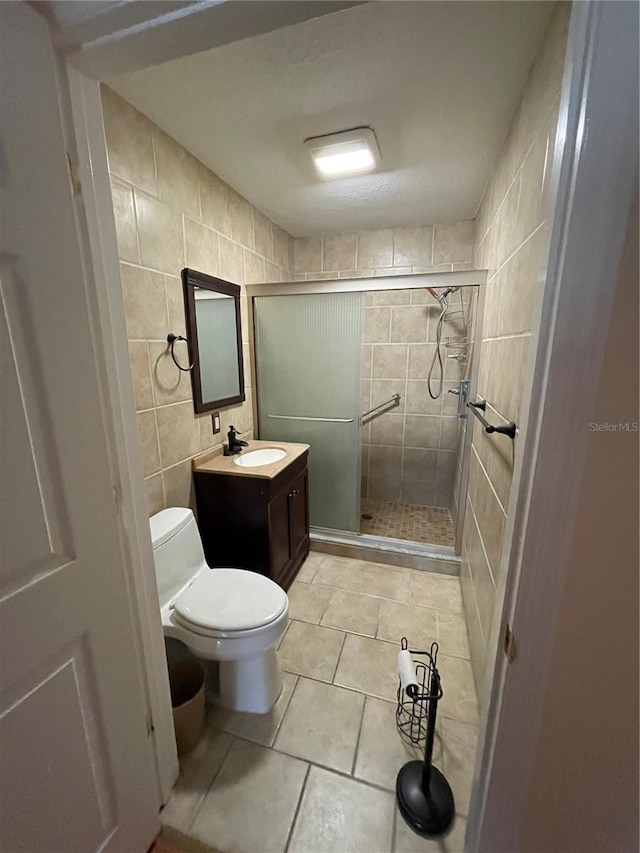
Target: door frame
[(582, 265), (595, 165), (88, 155)]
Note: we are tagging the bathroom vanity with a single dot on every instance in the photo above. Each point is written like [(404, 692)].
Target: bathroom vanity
[(255, 516)]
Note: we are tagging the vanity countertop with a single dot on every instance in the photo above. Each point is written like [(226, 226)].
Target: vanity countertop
[(214, 462)]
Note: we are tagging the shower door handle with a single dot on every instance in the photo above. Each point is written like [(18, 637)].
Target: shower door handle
[(462, 393)]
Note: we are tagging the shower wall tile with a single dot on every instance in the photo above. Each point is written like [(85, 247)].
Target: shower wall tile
[(388, 429), (453, 243), (307, 254), (422, 431), (512, 242), (377, 325), (170, 210), (419, 464), (409, 324), (375, 249), (391, 297), (422, 494), (413, 246), (339, 252), (389, 361), (419, 401)]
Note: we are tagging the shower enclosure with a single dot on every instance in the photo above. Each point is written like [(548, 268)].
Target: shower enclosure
[(373, 374)]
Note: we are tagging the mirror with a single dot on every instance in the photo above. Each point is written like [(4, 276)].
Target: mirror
[(212, 308)]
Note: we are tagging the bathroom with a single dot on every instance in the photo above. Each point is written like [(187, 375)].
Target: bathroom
[(302, 523), (408, 506)]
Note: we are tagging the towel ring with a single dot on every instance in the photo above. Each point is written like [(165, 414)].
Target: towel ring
[(171, 340)]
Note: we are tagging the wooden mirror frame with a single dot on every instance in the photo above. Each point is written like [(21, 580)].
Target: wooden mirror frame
[(190, 279)]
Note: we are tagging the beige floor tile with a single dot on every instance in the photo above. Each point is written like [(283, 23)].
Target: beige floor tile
[(311, 650), (408, 842), (368, 578), (252, 803), (352, 612), (261, 728), (439, 591), (381, 750), (459, 695), (307, 602), (369, 666), (322, 724), (452, 635), (339, 815), (459, 744), (308, 569), (417, 624), (197, 772)]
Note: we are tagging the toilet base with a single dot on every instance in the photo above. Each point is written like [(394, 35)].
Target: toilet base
[(251, 685)]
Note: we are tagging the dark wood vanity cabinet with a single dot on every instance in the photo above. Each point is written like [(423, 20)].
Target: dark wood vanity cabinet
[(254, 522)]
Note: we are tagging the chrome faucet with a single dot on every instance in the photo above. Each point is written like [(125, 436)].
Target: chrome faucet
[(234, 445)]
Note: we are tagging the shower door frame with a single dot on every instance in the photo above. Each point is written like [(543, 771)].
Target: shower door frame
[(411, 281)]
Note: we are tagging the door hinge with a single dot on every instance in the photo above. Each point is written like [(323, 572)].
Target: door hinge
[(509, 644), (74, 180)]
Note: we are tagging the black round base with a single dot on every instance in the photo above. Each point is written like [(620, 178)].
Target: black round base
[(426, 813)]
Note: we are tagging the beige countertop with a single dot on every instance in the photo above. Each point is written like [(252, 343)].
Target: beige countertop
[(214, 462)]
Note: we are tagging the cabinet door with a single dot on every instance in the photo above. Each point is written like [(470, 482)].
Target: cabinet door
[(299, 514), (279, 534)]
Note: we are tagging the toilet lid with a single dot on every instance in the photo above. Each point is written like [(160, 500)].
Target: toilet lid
[(231, 600)]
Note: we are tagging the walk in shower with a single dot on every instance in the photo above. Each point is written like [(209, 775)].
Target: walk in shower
[(373, 374)]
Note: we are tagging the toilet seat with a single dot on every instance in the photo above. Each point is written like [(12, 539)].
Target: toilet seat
[(229, 602)]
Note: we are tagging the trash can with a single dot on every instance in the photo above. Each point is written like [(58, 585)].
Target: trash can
[(186, 680)]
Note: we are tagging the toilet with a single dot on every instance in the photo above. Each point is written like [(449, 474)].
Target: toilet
[(232, 616)]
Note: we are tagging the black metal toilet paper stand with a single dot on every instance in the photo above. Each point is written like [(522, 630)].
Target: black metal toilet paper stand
[(424, 796)]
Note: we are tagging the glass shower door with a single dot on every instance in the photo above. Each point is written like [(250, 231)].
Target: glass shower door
[(308, 353)]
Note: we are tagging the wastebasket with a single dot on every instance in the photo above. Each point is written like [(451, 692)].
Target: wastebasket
[(186, 680)]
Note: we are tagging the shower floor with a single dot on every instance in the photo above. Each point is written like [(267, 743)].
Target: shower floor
[(432, 525)]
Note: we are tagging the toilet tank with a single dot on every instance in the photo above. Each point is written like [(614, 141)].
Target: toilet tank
[(177, 550)]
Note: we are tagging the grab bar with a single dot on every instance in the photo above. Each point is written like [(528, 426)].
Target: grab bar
[(394, 399), (322, 420), (509, 429)]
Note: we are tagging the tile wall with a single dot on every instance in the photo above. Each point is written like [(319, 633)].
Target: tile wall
[(171, 212), (512, 242), (409, 452)]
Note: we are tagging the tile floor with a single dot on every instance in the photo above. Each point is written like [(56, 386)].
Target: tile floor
[(317, 774), (430, 524)]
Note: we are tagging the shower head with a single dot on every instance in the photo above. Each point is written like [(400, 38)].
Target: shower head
[(441, 297)]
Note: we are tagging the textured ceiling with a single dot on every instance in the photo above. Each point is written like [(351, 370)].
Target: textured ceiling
[(438, 81)]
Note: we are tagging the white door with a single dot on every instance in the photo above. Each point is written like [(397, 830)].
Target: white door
[(76, 759)]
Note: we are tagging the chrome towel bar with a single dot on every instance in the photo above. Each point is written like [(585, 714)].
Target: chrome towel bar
[(395, 399), (322, 420)]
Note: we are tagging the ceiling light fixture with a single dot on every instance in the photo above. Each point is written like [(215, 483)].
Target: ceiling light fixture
[(349, 152)]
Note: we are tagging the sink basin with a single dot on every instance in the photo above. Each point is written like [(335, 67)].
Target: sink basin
[(256, 458)]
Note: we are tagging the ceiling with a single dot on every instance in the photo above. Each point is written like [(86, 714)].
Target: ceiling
[(438, 81)]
